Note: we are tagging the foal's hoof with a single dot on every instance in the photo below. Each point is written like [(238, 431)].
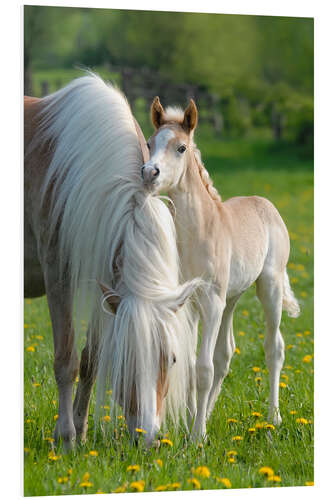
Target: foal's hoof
[(67, 437)]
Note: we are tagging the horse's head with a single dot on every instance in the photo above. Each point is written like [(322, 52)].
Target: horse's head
[(169, 145), (149, 358)]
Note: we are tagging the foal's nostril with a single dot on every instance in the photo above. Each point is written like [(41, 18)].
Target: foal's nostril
[(156, 172)]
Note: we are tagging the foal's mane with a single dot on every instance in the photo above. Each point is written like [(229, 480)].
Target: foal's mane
[(112, 231), (175, 115)]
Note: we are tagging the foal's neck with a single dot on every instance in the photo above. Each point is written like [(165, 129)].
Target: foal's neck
[(195, 206)]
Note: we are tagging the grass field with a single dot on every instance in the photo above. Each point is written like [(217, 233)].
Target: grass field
[(233, 454)]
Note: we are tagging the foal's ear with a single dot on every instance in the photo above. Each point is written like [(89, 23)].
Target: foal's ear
[(112, 299), (190, 117), (157, 113)]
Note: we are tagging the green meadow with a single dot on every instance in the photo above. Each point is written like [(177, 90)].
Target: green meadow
[(239, 443)]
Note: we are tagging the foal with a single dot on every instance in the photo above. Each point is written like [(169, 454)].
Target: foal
[(230, 244)]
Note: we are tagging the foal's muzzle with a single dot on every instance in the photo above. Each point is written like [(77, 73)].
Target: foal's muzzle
[(149, 173)]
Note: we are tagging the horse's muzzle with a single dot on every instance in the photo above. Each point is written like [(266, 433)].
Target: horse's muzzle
[(149, 173)]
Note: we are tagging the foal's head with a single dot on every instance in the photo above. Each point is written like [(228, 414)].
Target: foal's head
[(169, 146), (148, 358)]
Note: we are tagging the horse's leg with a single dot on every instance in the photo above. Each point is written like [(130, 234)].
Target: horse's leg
[(66, 362), (224, 350), (270, 293), (88, 370), (192, 390), (211, 310)]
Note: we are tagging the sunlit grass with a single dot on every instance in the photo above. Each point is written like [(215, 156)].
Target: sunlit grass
[(111, 464)]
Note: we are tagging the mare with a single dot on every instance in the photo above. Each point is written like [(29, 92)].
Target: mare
[(90, 224), (231, 245)]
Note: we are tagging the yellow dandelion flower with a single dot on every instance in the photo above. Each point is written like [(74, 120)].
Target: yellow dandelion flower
[(307, 332), (232, 453), (106, 407), (194, 481), (307, 358), (167, 441), (138, 485), (256, 369), (309, 483), (109, 392), (174, 486), (39, 337), (285, 377), (159, 462), (93, 453), (140, 431), (293, 280), (256, 414), (232, 460), (86, 484), (121, 417), (120, 489), (69, 472), (266, 471), (299, 334), (283, 385), (133, 468), (237, 350), (261, 336), (241, 333), (237, 438), (49, 439), (258, 380), (26, 450), (302, 420), (31, 348), (293, 412), (291, 265), (86, 476), (161, 487), (62, 480), (232, 421), (202, 471), (290, 346), (107, 418), (251, 430), (55, 417), (298, 371), (36, 384), (270, 427), (245, 312), (300, 267), (304, 294), (275, 479), (52, 456), (260, 425), (225, 481), (100, 492)]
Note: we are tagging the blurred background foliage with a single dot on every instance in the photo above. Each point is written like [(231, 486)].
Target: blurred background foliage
[(259, 69)]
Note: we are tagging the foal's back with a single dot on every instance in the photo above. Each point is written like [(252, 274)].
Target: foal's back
[(259, 240)]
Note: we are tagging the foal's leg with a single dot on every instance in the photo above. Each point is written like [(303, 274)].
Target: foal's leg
[(212, 310), (66, 362), (224, 350), (270, 293), (88, 370), (192, 390)]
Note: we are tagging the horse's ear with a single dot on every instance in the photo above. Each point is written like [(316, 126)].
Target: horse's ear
[(187, 290), (190, 117), (157, 113), (112, 299)]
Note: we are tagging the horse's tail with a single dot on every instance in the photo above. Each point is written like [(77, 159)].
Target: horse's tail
[(290, 303)]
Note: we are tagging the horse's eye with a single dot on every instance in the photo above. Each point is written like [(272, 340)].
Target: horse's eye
[(174, 359), (181, 149), (148, 146)]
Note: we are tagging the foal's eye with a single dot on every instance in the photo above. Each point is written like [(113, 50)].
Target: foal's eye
[(181, 149), (173, 359), (148, 146)]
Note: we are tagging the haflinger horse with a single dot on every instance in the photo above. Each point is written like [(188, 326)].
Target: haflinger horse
[(90, 224), (229, 244)]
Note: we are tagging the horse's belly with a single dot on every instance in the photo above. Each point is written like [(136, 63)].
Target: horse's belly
[(243, 274)]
